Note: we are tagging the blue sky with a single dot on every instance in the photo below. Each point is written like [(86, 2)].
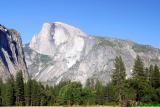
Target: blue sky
[(137, 20)]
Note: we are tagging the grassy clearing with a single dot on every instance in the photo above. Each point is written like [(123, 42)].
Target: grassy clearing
[(67, 106)]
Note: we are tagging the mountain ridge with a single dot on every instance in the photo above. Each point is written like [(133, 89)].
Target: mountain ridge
[(94, 59), (12, 58)]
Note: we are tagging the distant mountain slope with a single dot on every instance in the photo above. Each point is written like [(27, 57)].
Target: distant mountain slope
[(12, 57), (63, 52)]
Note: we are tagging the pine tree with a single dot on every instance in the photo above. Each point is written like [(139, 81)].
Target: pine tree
[(36, 94), (118, 78), (87, 96), (57, 89), (150, 70), (50, 94), (119, 73), (90, 83), (70, 94), (19, 88), (28, 92), (9, 93), (155, 77), (109, 93), (43, 95), (99, 93), (138, 69)]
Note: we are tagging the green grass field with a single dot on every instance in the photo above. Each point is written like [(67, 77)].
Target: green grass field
[(84, 106), (68, 106)]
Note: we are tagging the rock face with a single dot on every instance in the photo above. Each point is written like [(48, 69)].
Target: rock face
[(12, 57), (67, 40), (63, 52)]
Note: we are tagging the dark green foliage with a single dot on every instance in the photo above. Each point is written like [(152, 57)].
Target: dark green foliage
[(43, 95), (138, 69), (118, 78), (147, 74), (109, 93), (138, 90), (50, 96), (56, 90), (28, 92), (119, 73), (9, 93), (99, 88), (149, 71), (144, 87), (74, 94), (157, 99), (87, 96), (19, 88), (35, 96), (155, 77), (70, 94)]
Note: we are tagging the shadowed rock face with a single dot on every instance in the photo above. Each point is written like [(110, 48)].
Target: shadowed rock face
[(63, 52), (12, 57)]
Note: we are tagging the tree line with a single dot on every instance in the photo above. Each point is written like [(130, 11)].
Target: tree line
[(142, 87)]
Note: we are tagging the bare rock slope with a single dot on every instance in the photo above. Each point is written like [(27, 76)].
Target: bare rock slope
[(63, 52), (12, 57)]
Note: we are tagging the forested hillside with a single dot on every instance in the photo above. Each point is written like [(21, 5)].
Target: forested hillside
[(142, 88)]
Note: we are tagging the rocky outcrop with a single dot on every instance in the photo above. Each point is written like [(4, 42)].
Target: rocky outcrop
[(63, 52), (12, 57)]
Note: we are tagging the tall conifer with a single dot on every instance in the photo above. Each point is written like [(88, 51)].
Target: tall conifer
[(19, 88)]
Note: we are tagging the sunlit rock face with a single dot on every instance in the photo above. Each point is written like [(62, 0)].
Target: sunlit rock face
[(12, 57), (60, 38), (62, 52), (62, 44)]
